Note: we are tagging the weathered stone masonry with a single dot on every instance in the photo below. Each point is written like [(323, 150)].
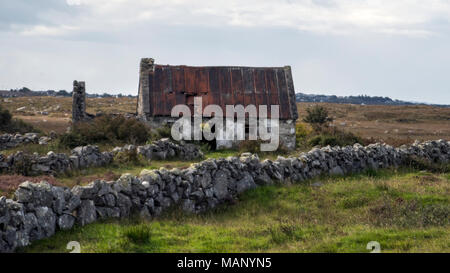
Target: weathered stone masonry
[(90, 156), (39, 210), (79, 102), (8, 141)]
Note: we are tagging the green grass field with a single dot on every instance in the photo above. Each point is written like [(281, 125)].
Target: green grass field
[(405, 211)]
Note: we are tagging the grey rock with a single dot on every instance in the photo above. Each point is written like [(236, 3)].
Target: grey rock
[(188, 205), (124, 204), (336, 171), (66, 221), (86, 212), (73, 203), (197, 195), (221, 185), (46, 220), (245, 184)]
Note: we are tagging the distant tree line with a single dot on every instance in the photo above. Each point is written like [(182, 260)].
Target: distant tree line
[(26, 92), (361, 99)]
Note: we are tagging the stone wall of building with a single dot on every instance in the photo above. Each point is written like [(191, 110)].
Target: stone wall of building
[(39, 210), (287, 134), (287, 137)]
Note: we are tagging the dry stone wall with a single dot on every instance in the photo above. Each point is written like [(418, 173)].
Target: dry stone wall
[(39, 210), (8, 141), (90, 156)]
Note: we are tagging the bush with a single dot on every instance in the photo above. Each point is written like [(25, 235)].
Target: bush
[(317, 116), (330, 140), (129, 157), (161, 132), (5, 116), (334, 137), (302, 131), (10, 125), (106, 129), (72, 140), (23, 166), (164, 132), (315, 141)]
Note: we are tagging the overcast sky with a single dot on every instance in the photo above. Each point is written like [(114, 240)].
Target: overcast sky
[(395, 48)]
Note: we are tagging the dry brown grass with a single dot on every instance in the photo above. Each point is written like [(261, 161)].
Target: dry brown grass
[(394, 125), (59, 110), (9, 183)]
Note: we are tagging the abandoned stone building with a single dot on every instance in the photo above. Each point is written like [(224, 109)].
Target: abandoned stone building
[(161, 87)]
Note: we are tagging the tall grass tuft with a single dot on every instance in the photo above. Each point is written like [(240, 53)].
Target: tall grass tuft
[(138, 234)]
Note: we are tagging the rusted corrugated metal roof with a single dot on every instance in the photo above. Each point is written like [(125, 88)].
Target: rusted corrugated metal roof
[(171, 85)]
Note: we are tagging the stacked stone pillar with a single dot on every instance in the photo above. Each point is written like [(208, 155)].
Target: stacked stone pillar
[(79, 102)]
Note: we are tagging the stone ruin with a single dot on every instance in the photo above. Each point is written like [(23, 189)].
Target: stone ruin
[(161, 87), (79, 102)]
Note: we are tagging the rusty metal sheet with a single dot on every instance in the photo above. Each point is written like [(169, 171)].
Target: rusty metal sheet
[(237, 86), (260, 87), (172, 85), (249, 86), (283, 93), (189, 80)]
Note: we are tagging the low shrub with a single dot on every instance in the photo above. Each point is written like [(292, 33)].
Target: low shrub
[(164, 132), (317, 116), (8, 124), (129, 157), (334, 137), (302, 131), (72, 140), (5, 116), (106, 129), (23, 165), (315, 141)]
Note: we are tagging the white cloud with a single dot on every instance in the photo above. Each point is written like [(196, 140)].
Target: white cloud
[(367, 44), (399, 17), (405, 17), (42, 30)]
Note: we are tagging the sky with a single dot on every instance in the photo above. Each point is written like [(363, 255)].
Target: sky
[(389, 48)]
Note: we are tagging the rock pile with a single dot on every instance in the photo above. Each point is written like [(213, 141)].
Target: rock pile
[(38, 210)]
